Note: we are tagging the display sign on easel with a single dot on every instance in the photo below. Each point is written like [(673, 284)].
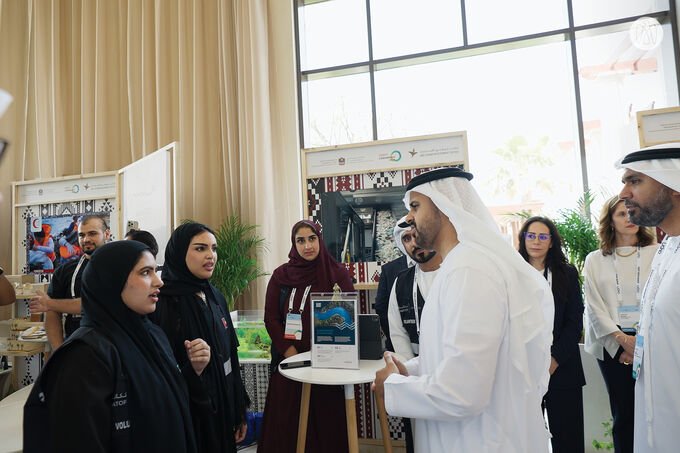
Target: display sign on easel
[(335, 330), (658, 126)]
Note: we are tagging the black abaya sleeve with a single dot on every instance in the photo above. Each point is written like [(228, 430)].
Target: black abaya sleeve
[(167, 318), (79, 396)]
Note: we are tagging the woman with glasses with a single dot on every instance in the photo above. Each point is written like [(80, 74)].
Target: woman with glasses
[(541, 246), (615, 276)]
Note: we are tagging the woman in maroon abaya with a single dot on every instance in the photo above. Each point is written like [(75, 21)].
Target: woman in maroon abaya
[(310, 268)]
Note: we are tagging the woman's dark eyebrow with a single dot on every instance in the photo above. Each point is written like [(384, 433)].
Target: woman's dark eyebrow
[(145, 268), (200, 243)]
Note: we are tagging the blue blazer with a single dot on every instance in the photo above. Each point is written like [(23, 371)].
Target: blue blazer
[(567, 330), (388, 274)]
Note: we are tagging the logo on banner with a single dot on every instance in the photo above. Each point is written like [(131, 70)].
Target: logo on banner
[(40, 192), (646, 33), (341, 161), (36, 224), (75, 188), (413, 153), (395, 156)]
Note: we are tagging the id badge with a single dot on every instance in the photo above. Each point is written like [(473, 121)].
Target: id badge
[(637, 355), (227, 367), (293, 327), (629, 318)]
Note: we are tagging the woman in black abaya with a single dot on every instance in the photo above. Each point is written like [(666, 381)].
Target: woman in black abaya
[(190, 307), (114, 384)]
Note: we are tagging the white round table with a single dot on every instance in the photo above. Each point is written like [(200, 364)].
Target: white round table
[(333, 376)]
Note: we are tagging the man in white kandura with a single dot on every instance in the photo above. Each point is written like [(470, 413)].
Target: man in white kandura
[(651, 194), (485, 336)]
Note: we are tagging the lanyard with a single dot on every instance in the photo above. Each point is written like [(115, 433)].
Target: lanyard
[(547, 273), (653, 283), (415, 297), (73, 277), (619, 293), (304, 299)]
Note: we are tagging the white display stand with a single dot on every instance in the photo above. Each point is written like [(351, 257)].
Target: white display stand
[(144, 191), (148, 194), (346, 378)]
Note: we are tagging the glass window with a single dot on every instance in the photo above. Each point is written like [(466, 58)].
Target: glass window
[(590, 11), (617, 80), (402, 27), (332, 33), (518, 109), (337, 110), (491, 20)]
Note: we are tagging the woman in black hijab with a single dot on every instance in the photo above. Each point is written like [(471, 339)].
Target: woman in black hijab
[(114, 384), (190, 307)]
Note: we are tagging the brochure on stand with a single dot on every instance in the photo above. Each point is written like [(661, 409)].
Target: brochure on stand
[(335, 330)]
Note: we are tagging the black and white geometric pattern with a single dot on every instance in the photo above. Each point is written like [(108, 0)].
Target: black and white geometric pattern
[(27, 213), (315, 187), (106, 206), (256, 380)]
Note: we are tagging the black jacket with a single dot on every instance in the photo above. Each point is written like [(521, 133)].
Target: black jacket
[(388, 274), (567, 330)]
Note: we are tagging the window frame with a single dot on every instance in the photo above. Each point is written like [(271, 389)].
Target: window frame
[(568, 34)]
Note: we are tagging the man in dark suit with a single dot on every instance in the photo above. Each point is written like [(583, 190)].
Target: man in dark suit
[(388, 274)]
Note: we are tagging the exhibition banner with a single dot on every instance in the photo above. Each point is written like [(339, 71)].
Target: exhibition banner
[(67, 189), (387, 155), (659, 126)]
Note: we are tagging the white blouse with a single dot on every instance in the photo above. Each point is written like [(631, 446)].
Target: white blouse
[(601, 315)]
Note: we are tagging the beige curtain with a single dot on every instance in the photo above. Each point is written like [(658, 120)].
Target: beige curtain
[(98, 84)]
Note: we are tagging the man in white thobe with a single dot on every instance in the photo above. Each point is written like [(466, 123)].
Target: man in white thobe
[(407, 299), (651, 194), (486, 331)]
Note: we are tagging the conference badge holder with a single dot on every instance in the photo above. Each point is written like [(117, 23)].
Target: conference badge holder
[(629, 318)]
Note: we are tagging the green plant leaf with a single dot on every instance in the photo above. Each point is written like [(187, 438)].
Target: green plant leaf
[(237, 246)]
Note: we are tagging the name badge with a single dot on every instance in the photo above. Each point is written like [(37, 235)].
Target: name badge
[(629, 318), (293, 327), (227, 367), (637, 355)]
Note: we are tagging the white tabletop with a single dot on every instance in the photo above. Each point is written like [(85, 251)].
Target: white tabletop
[(331, 376), (12, 420)]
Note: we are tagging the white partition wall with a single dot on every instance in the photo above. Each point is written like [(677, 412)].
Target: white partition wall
[(148, 193)]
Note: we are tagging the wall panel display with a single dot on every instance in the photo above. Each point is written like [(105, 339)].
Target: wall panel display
[(48, 233), (46, 215)]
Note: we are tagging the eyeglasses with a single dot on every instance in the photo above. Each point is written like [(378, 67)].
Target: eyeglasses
[(531, 236)]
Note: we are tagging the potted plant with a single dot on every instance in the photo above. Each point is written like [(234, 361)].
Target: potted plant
[(236, 266), (578, 231)]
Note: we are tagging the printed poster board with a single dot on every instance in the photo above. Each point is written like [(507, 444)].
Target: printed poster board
[(335, 330)]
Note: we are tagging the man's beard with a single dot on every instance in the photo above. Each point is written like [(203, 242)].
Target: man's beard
[(423, 256), (654, 213)]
